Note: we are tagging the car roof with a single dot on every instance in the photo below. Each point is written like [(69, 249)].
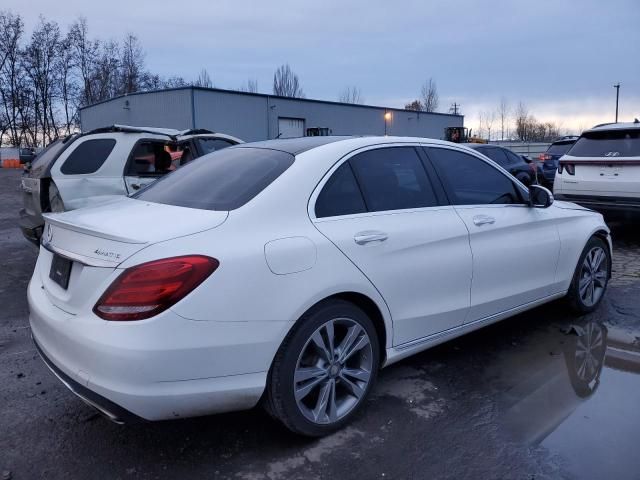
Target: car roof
[(296, 146), (615, 126), (478, 145)]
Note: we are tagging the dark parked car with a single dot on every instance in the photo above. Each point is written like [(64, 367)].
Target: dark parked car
[(551, 157), (26, 155), (512, 162)]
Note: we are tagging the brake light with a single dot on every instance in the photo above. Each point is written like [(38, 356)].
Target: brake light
[(150, 288), (569, 167)]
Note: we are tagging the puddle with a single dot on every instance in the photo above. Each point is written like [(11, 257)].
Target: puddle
[(575, 392)]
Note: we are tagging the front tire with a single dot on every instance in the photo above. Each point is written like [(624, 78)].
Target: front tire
[(324, 370), (591, 276)]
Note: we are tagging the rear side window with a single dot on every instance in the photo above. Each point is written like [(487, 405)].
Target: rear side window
[(471, 181), (340, 195), (223, 180), (47, 156), (393, 179), (610, 143), (495, 154), (559, 148), (88, 157)]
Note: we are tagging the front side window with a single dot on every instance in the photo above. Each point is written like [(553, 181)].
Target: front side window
[(608, 143), (393, 179), (471, 181), (88, 157), (223, 180), (340, 195)]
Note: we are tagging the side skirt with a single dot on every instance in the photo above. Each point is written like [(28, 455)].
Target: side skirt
[(399, 352)]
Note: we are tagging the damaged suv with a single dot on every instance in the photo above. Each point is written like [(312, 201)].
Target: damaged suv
[(93, 167)]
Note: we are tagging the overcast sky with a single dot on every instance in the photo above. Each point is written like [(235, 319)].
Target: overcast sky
[(560, 58)]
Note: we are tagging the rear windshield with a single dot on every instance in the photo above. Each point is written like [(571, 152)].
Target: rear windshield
[(223, 180), (560, 148), (610, 143)]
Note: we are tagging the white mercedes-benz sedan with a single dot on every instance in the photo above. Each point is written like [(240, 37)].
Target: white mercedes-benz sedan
[(288, 272)]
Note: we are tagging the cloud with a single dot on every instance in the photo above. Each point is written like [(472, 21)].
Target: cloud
[(559, 57)]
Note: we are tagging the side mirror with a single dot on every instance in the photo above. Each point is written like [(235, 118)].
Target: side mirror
[(540, 197)]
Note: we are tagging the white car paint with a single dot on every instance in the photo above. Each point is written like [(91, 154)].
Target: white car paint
[(608, 183), (211, 352)]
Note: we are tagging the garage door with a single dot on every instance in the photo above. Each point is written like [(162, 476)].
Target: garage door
[(290, 127)]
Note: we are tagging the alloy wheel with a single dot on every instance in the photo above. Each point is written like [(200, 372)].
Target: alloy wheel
[(333, 371), (593, 276)]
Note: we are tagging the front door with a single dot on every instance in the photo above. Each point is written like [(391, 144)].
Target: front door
[(515, 247)]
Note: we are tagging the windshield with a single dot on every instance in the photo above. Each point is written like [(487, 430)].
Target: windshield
[(609, 143), (560, 148), (223, 180)]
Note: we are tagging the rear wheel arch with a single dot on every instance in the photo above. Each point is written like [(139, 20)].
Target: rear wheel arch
[(366, 304)]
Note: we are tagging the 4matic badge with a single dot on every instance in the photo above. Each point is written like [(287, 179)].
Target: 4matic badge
[(104, 253)]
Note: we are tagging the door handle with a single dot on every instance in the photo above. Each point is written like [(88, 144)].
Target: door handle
[(480, 220), (368, 236)]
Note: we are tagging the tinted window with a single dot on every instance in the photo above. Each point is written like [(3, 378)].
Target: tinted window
[(88, 157), (340, 195), (470, 181), (393, 179), (559, 148), (209, 145), (149, 158), (47, 156), (612, 143), (512, 157), (223, 180), (495, 154)]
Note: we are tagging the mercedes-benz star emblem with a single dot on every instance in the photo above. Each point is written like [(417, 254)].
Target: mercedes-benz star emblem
[(49, 234)]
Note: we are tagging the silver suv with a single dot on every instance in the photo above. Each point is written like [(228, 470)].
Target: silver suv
[(84, 169)]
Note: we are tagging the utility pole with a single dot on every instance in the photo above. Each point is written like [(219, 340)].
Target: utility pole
[(617, 87), (454, 108)]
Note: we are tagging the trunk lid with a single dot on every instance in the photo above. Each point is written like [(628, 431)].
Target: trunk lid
[(604, 176), (94, 241)]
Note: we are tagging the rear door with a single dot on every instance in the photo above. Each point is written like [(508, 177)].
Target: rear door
[(381, 209), (515, 247)]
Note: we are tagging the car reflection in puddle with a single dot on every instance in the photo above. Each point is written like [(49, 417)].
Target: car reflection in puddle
[(576, 394)]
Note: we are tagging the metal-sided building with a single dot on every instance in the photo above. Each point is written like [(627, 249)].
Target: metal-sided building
[(257, 116)]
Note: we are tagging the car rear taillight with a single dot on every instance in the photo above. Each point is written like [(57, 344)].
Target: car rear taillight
[(150, 288), (569, 167)]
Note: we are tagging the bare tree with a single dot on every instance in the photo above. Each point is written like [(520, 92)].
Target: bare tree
[(12, 75), (351, 94), (250, 87), (416, 106), (503, 117), (522, 122), (203, 80), (131, 65), (489, 118), (174, 82), (85, 53), (286, 83), (430, 98)]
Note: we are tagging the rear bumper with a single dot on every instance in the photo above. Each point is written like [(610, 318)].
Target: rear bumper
[(31, 226), (158, 369), (603, 203)]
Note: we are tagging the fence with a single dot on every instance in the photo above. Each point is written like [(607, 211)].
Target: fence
[(531, 150)]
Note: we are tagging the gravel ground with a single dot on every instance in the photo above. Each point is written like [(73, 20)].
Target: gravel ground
[(502, 402)]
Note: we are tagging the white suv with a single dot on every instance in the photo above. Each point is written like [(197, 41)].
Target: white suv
[(602, 169), (81, 170)]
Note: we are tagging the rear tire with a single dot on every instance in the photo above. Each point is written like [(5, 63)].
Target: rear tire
[(591, 277), (324, 369)]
